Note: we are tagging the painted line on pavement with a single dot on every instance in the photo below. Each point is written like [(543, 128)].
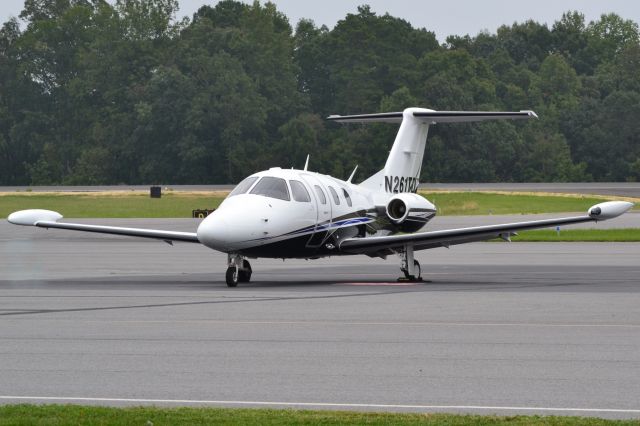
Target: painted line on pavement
[(320, 404)]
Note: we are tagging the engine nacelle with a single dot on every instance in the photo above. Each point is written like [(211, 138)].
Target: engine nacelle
[(410, 211)]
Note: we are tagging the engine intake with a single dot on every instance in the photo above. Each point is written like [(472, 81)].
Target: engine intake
[(409, 211), (397, 210)]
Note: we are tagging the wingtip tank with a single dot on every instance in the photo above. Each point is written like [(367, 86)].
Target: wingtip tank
[(609, 209), (32, 216)]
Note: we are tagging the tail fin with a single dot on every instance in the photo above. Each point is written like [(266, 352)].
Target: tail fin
[(401, 173)]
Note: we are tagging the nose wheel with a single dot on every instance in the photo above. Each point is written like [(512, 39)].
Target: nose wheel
[(232, 276), (239, 271)]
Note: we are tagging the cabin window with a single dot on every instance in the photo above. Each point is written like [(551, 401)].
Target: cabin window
[(321, 196), (334, 194), (347, 197), (272, 187), (299, 192), (243, 186)]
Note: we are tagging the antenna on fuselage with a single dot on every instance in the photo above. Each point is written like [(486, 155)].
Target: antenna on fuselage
[(353, 173), (306, 163)]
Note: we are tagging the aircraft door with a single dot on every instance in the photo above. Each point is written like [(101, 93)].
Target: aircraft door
[(321, 196)]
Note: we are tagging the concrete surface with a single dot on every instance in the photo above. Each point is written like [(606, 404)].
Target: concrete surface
[(501, 328)]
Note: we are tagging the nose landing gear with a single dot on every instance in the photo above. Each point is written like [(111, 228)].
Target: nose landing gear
[(239, 270)]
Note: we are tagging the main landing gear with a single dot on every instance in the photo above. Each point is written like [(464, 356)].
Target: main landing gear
[(239, 270), (409, 266)]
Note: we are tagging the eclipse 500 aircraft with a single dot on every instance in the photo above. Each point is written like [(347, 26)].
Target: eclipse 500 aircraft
[(281, 213)]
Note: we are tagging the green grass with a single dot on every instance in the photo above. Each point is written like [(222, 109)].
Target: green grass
[(122, 206), (85, 415), (483, 203), (175, 204), (599, 235)]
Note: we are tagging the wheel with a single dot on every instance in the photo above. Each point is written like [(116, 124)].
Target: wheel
[(416, 270), (232, 276), (245, 272)]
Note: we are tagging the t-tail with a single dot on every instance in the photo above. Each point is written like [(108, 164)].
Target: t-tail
[(401, 173)]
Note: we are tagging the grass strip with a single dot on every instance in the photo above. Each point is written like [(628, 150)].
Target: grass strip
[(486, 203), (124, 205), (178, 204), (594, 235), (26, 414)]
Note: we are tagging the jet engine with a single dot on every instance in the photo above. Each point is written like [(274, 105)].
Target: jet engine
[(409, 211)]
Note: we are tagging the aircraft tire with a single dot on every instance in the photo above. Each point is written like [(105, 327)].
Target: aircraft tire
[(232, 276), (416, 268)]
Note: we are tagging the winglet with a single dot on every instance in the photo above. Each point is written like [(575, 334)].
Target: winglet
[(33, 216), (609, 209), (353, 173), (306, 163)]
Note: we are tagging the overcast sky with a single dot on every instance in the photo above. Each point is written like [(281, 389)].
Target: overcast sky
[(442, 17)]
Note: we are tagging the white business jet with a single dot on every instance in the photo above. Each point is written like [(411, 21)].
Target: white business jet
[(281, 213)]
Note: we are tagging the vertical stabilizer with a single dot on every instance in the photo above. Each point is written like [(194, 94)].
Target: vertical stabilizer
[(401, 173), (402, 170)]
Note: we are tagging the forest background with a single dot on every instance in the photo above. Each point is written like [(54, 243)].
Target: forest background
[(98, 93)]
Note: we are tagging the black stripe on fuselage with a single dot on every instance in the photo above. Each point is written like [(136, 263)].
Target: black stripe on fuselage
[(312, 228), (294, 247)]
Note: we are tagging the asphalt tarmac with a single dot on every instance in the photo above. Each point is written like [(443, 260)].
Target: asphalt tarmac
[(498, 328)]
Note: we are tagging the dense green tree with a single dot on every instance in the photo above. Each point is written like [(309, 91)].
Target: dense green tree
[(527, 43), (96, 92), (299, 137), (364, 58), (549, 159)]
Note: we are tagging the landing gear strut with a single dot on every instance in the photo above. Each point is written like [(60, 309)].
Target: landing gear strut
[(239, 270), (409, 266)]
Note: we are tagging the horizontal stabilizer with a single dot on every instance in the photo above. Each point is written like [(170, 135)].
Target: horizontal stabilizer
[(433, 117), (383, 117)]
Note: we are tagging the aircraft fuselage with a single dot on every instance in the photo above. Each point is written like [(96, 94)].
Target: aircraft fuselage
[(282, 219)]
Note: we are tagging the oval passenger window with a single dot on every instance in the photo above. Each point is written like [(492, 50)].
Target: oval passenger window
[(334, 194), (321, 196), (347, 197)]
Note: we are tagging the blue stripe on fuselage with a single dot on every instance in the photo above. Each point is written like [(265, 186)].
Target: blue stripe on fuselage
[(317, 228), (339, 224)]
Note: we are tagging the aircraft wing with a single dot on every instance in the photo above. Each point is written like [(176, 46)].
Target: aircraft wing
[(49, 219), (376, 246)]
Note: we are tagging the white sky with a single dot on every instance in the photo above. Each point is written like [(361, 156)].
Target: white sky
[(442, 17)]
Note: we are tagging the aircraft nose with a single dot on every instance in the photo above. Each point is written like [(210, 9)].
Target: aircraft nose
[(237, 223), (214, 232)]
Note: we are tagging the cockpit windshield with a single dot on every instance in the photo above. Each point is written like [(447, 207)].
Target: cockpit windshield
[(243, 186), (272, 187)]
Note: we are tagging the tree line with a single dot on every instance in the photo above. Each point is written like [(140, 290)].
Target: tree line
[(99, 93)]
